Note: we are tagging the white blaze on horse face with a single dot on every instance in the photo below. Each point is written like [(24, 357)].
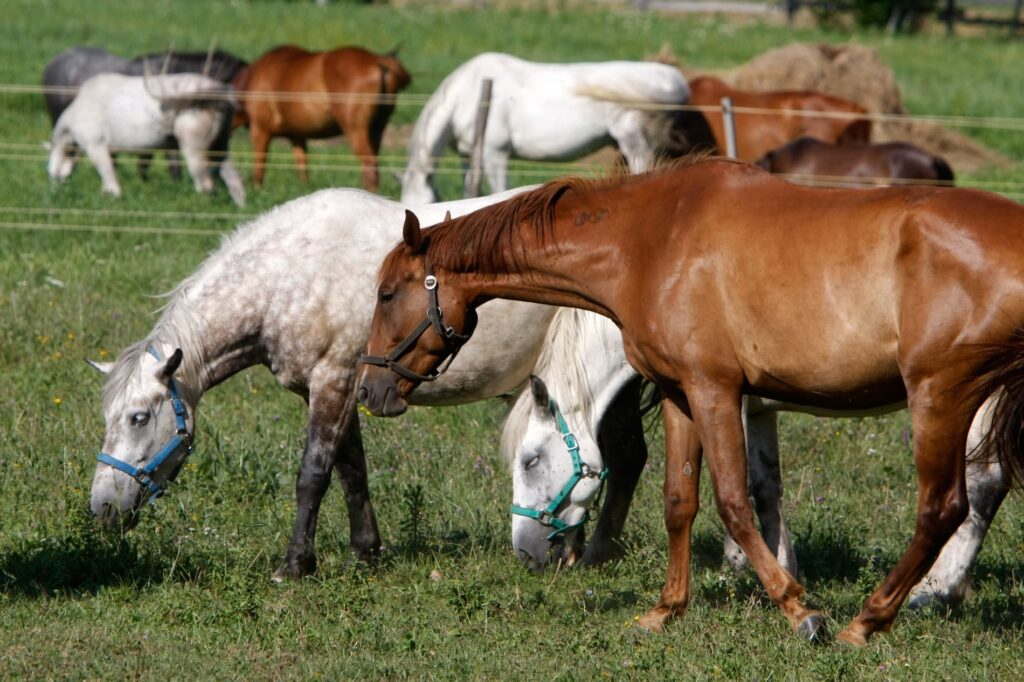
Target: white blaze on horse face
[(138, 424)]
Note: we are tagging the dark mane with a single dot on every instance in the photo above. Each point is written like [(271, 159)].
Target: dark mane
[(490, 240)]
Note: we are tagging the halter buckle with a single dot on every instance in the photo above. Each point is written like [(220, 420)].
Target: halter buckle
[(430, 282)]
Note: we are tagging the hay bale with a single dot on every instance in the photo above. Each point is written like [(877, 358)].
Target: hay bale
[(857, 73)]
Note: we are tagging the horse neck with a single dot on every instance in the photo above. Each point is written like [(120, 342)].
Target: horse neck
[(432, 132)]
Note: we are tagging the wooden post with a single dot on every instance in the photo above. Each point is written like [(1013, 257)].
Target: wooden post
[(791, 7), (1016, 18), (729, 124), (950, 16), (475, 175)]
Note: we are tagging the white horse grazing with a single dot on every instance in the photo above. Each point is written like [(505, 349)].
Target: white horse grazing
[(119, 113), (547, 112), (585, 367), (292, 290)]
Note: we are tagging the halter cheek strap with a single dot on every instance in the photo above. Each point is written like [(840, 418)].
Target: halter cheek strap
[(434, 319), (580, 470), (181, 442)]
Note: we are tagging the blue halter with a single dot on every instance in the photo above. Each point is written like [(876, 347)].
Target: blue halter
[(181, 441), (580, 470)]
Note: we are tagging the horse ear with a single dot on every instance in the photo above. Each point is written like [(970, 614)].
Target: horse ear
[(394, 51), (103, 368), (411, 233), (541, 397), (172, 364), (447, 216)]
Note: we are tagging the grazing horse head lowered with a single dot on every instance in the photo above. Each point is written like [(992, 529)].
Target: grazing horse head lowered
[(898, 285)]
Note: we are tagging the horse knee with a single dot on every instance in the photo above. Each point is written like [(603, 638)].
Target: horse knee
[(735, 513), (942, 518), (680, 511)]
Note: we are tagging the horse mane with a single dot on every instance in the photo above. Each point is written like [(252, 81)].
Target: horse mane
[(490, 240), (562, 367)]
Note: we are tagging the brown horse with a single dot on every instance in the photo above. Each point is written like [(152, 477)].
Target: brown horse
[(879, 296), (759, 133), (813, 162), (356, 91)]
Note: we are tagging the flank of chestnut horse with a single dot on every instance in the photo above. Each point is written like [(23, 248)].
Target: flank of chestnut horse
[(759, 133), (298, 76), (725, 280)]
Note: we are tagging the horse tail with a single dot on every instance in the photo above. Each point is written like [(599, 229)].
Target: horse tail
[(943, 172), (1002, 376)]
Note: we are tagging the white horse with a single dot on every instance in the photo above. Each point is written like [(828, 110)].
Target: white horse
[(547, 112), (118, 112), (585, 368), (292, 290)]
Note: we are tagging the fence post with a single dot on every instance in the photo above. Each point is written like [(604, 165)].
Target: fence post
[(1016, 18), (729, 123), (474, 177), (950, 16), (791, 7)]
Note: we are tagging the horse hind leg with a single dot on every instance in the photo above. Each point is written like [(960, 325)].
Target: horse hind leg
[(939, 441), (948, 580), (301, 159), (99, 155)]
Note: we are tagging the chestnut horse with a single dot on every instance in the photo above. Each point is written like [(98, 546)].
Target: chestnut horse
[(878, 296), (813, 162), (759, 133), (356, 88)]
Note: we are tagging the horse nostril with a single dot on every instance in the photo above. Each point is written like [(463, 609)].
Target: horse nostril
[(362, 394)]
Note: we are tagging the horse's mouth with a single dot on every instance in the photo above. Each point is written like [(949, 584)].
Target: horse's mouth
[(391, 405)]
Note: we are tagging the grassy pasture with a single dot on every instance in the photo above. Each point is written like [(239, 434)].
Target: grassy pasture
[(187, 594)]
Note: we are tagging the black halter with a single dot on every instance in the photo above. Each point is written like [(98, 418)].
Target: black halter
[(435, 318)]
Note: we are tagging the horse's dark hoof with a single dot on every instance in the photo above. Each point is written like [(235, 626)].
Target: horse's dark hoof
[(295, 569), (813, 629)]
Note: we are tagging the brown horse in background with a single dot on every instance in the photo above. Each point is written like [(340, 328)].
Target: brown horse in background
[(356, 91), (813, 162), (759, 133), (727, 281)]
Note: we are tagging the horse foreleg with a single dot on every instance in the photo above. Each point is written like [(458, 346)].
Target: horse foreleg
[(301, 160), (351, 467), (144, 162), (99, 155), (629, 135), (198, 168), (496, 169), (764, 484), (717, 413), (260, 139), (948, 580), (362, 147), (939, 441), (682, 500), (621, 440)]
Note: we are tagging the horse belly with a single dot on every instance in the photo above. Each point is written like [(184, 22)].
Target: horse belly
[(557, 129)]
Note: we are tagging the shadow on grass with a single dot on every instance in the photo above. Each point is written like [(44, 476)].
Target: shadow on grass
[(81, 558)]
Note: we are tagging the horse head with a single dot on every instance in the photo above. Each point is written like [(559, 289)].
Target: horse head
[(405, 348), (556, 474), (149, 431)]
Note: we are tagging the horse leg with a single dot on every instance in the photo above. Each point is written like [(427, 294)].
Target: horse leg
[(496, 169), (260, 143), (628, 134), (717, 414), (173, 162), (301, 161), (682, 500), (363, 147), (350, 465), (764, 485), (144, 162), (331, 416), (198, 168), (99, 155), (620, 437), (940, 437)]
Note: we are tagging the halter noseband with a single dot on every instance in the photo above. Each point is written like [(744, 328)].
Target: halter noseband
[(181, 441), (580, 470), (435, 318)]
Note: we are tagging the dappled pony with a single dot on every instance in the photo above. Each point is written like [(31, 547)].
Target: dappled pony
[(296, 94), (581, 378), (548, 112), (810, 161), (827, 118), (888, 297), (293, 290)]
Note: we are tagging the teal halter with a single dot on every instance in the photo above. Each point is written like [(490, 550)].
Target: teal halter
[(180, 442), (580, 470)]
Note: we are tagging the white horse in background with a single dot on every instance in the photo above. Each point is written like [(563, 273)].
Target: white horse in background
[(583, 368), (293, 290), (545, 112), (120, 113)]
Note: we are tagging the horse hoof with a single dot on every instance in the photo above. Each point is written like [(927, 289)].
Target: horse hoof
[(854, 639), (654, 620), (813, 629)]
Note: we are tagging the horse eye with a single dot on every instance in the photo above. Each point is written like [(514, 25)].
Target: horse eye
[(532, 463), (140, 418), (385, 296)]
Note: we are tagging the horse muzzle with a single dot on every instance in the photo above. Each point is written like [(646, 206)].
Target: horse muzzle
[(380, 395), (535, 551)]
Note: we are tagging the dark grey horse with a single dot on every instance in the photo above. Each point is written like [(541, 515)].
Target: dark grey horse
[(75, 65)]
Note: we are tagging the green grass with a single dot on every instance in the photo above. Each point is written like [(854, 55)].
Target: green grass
[(187, 594)]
